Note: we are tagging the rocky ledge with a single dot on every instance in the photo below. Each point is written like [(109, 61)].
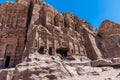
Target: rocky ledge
[(37, 42), (44, 67)]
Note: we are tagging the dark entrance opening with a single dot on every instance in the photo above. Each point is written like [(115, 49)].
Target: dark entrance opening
[(50, 50), (7, 61), (62, 52), (41, 50)]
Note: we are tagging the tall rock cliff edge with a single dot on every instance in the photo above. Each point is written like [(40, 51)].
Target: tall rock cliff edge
[(37, 42)]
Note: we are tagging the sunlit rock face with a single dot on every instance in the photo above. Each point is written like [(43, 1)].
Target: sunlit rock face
[(45, 44), (109, 39), (29, 26), (13, 31), (32, 25), (51, 32)]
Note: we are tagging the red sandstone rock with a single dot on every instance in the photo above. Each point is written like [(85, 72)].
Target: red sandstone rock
[(29, 26), (48, 31)]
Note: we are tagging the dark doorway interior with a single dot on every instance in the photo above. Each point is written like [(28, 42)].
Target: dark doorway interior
[(41, 50), (50, 50), (62, 52), (7, 61)]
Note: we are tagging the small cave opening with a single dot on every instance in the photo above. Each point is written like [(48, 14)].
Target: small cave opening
[(7, 61), (63, 52), (50, 50), (41, 50), (99, 35)]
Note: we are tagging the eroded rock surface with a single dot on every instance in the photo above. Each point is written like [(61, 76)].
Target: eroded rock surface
[(33, 25), (108, 41), (13, 31), (7, 74), (45, 67), (50, 45)]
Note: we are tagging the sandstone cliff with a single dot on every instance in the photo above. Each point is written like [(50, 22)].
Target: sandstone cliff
[(44, 44)]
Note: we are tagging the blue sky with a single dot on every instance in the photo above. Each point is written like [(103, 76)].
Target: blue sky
[(2, 1), (94, 11)]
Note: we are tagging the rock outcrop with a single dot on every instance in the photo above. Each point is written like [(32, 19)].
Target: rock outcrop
[(32, 25), (13, 31), (45, 67), (44, 44), (108, 41)]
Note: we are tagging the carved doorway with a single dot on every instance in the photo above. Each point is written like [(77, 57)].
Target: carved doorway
[(50, 50), (41, 50), (63, 52), (7, 61)]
